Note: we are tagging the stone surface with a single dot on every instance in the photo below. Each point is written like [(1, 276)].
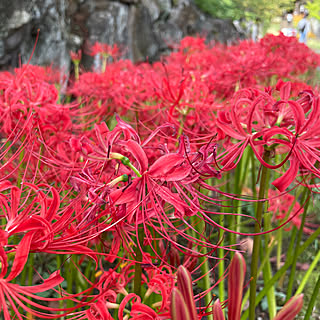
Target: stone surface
[(142, 28)]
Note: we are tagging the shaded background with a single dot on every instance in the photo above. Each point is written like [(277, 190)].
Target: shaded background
[(144, 29)]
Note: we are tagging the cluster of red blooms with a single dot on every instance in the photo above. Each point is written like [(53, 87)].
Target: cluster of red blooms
[(115, 193)]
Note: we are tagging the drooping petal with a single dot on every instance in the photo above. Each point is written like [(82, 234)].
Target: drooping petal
[(173, 199), (52, 281), (298, 114), (227, 128), (285, 180), (285, 89), (15, 199), (4, 263), (170, 167), (5, 184), (21, 256), (136, 150), (125, 194)]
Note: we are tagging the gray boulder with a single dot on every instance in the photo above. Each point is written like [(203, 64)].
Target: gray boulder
[(142, 28)]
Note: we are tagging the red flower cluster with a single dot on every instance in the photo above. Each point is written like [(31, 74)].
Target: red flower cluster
[(143, 192)]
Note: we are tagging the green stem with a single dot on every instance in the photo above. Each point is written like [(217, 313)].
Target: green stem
[(279, 247), (206, 282), (294, 230), (134, 169), (257, 238), (253, 175), (25, 271), (308, 273), (137, 268), (221, 252), (295, 254), (125, 161), (240, 182), (76, 69), (21, 169), (267, 271), (262, 264), (59, 259), (69, 279), (205, 270), (280, 235), (221, 266), (104, 62), (180, 131), (30, 271), (284, 268), (231, 220), (88, 269), (313, 300)]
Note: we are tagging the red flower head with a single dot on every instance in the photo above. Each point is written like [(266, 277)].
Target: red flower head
[(286, 126), (104, 49), (151, 189), (76, 56)]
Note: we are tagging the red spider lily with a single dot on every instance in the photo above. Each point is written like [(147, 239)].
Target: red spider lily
[(161, 282), (143, 200), (126, 87), (22, 93), (122, 183), (138, 309), (182, 98), (111, 280), (104, 49), (285, 126), (76, 56), (286, 207), (107, 91), (39, 215), (301, 140), (107, 301), (14, 294), (237, 124), (29, 115)]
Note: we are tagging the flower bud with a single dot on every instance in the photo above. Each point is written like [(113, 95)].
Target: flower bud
[(290, 309)]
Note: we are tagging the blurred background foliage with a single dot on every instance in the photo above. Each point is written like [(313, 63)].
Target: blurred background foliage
[(314, 8), (264, 10)]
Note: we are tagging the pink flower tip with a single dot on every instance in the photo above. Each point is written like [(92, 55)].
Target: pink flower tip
[(291, 308)]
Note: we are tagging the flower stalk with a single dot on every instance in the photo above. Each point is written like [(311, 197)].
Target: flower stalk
[(137, 282), (257, 239), (306, 199)]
